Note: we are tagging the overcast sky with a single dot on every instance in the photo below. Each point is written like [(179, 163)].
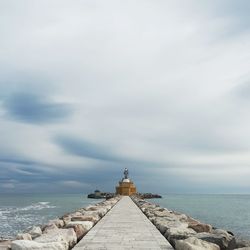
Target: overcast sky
[(90, 87)]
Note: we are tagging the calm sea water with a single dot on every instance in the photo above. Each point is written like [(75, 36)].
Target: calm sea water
[(19, 212), (230, 212)]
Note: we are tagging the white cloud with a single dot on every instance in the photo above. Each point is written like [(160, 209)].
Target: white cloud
[(151, 81)]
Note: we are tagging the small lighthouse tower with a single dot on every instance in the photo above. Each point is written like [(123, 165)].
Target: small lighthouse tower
[(126, 186)]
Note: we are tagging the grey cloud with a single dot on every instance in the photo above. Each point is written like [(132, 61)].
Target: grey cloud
[(242, 91), (33, 108), (84, 148)]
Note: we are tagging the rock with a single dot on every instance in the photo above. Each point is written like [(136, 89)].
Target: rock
[(198, 226), (24, 236), (193, 243), (35, 232), (32, 245), (91, 208), (220, 237), (178, 233), (86, 218), (85, 224), (93, 214), (77, 213), (66, 219), (102, 211), (67, 235), (79, 229), (180, 217), (242, 243), (242, 248), (48, 227), (58, 222), (5, 244), (164, 213), (163, 224)]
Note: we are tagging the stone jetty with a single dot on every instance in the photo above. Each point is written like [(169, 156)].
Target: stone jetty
[(125, 222), (124, 227), (187, 233), (61, 233)]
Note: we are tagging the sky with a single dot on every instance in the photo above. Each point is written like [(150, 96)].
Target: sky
[(90, 87)]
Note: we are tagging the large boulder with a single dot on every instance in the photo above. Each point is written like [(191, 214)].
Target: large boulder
[(33, 245), (68, 235), (88, 216), (193, 243), (84, 218), (102, 211), (35, 232), (164, 223), (5, 244), (48, 227), (85, 224), (178, 233), (161, 213), (24, 236), (198, 226), (220, 237), (58, 222), (79, 229), (66, 218), (242, 243)]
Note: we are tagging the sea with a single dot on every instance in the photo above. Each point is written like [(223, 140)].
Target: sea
[(18, 213)]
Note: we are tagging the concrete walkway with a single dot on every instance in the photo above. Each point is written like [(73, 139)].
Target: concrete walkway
[(124, 227)]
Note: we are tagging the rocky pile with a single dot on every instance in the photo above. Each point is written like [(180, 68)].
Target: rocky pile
[(186, 233), (148, 196), (62, 233)]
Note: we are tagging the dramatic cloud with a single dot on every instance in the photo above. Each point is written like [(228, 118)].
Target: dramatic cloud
[(36, 109), (88, 88), (84, 148)]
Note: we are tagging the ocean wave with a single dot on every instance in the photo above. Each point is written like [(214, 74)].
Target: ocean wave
[(37, 206)]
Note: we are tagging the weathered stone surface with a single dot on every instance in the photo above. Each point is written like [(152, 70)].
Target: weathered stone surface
[(91, 208), (24, 236), (58, 222), (85, 224), (5, 244), (242, 243), (220, 237), (124, 227), (48, 227), (180, 217), (79, 229), (243, 248), (163, 224), (200, 227), (77, 213), (66, 219), (35, 232), (193, 243), (67, 235), (33, 245), (102, 211), (164, 213), (178, 233), (88, 216)]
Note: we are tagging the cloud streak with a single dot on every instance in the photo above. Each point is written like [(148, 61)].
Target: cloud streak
[(36, 109)]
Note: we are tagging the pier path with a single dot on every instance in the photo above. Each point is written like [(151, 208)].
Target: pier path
[(124, 227)]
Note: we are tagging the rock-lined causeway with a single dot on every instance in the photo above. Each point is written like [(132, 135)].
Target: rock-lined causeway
[(125, 223)]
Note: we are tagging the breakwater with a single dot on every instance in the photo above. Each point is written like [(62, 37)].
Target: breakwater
[(187, 233), (61, 233), (123, 227)]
